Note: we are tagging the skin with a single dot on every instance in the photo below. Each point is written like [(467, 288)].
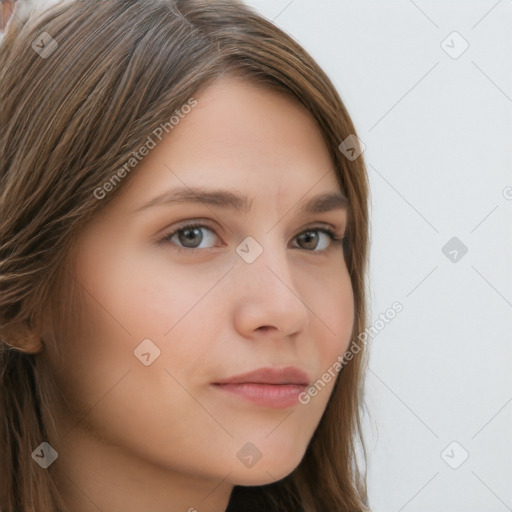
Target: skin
[(6, 12), (161, 437)]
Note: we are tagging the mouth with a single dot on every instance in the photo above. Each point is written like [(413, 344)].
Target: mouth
[(267, 387)]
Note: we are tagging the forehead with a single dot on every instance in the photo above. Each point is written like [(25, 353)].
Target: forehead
[(239, 135)]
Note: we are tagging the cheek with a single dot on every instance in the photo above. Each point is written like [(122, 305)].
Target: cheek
[(128, 301), (147, 297), (99, 371), (342, 315), (333, 315)]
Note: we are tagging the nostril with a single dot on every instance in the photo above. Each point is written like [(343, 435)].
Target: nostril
[(265, 328)]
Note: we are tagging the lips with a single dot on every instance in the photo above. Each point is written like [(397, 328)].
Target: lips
[(267, 387), (277, 376)]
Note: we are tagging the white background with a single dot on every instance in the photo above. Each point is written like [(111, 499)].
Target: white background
[(438, 136)]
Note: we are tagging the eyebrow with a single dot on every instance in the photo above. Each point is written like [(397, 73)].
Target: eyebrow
[(239, 203)]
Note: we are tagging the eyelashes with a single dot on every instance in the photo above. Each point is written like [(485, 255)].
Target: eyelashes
[(190, 232)]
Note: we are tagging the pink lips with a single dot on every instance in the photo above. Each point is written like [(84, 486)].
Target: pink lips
[(268, 387)]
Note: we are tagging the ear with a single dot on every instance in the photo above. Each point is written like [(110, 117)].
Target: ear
[(22, 337)]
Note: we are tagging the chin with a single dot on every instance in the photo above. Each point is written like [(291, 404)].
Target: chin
[(252, 479), (266, 471)]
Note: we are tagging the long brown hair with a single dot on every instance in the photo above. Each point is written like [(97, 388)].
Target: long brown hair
[(117, 69)]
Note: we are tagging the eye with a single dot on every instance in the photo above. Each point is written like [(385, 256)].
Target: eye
[(191, 237), (318, 239)]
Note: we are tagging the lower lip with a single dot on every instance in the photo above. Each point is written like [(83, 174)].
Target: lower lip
[(277, 396)]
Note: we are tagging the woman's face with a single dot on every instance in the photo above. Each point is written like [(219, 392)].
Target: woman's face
[(172, 311)]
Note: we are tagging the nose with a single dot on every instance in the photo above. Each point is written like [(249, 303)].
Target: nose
[(268, 302)]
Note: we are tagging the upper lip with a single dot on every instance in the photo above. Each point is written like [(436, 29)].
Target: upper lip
[(287, 375)]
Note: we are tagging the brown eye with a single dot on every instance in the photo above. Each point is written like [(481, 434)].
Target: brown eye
[(317, 240), (190, 237), (308, 240)]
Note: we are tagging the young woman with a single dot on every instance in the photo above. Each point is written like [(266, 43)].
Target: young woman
[(182, 265)]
